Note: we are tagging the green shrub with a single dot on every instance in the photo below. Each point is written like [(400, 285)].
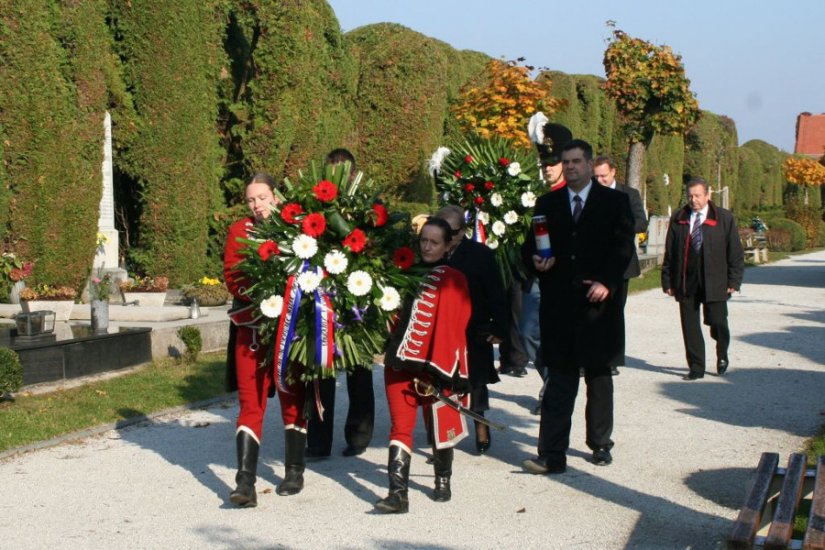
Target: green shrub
[(809, 217), (779, 240), (11, 371), (192, 340), (797, 232)]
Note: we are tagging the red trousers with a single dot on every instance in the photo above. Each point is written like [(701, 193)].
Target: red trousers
[(403, 402), (253, 389)]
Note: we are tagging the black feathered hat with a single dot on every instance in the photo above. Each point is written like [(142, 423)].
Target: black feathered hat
[(556, 136)]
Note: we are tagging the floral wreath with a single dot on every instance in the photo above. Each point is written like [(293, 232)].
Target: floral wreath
[(328, 269), (497, 185)]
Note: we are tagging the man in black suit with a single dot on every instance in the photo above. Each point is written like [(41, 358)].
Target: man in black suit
[(605, 171), (704, 263), (591, 234), (488, 323)]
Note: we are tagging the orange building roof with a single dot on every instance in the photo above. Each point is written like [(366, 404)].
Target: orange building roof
[(810, 134)]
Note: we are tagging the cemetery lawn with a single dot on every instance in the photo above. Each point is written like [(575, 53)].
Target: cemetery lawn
[(646, 281), (160, 385)]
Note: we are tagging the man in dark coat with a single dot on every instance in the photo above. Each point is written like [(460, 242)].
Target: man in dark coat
[(591, 234), (704, 263), (605, 171), (488, 323)]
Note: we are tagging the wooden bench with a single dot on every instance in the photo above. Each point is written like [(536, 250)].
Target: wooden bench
[(767, 518)]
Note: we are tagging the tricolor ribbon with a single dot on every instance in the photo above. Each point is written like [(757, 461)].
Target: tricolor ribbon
[(324, 340), (479, 234), (286, 330)]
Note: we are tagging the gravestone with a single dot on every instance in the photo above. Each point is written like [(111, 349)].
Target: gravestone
[(106, 257), (656, 235)]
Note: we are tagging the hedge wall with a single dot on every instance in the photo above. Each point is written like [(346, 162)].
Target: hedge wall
[(173, 56), (52, 98), (711, 152), (292, 86), (764, 178), (400, 105)]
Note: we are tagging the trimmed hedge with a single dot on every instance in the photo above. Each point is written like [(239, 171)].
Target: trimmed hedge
[(765, 175), (52, 89), (173, 56)]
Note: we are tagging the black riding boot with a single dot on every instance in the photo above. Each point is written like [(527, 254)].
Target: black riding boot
[(443, 468), (398, 471), (244, 494), (294, 461)]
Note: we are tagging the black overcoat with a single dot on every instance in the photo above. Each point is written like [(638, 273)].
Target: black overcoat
[(575, 332), (723, 259), (477, 262), (639, 226)]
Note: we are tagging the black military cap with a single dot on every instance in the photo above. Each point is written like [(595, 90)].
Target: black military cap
[(556, 136)]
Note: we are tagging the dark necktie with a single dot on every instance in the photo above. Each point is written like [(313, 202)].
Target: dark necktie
[(577, 208), (696, 233)]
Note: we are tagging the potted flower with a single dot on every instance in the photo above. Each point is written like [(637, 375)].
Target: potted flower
[(13, 271), (147, 291), (41, 297), (208, 292)]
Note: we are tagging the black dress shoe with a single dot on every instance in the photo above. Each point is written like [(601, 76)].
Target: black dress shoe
[(602, 457), (614, 371), (518, 372), (483, 438), (352, 450), (721, 366), (693, 376), (539, 466)]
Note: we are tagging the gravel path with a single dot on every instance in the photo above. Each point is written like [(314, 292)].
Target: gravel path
[(682, 462)]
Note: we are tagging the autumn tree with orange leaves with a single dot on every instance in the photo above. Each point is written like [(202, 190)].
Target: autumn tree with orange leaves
[(804, 171), (651, 92), (502, 107)]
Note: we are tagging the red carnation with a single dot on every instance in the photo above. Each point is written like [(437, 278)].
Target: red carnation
[(355, 241), (381, 214), (325, 191), (505, 162), (479, 200), (489, 185), (458, 173), (267, 249), (16, 274), (468, 159), (314, 224), (403, 257), (290, 211), (469, 187)]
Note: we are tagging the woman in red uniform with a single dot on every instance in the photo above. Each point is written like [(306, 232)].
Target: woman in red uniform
[(254, 382), (428, 343)]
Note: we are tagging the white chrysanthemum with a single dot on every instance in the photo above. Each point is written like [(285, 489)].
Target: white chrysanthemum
[(484, 217), (336, 262), (499, 228), (359, 283), (496, 200), (437, 159), (514, 169), (528, 199), (304, 246), (510, 217), (309, 281), (272, 306), (391, 299), (492, 244)]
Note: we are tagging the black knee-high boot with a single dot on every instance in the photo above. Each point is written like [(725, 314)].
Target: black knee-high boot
[(294, 461), (398, 471), (244, 494), (443, 468)]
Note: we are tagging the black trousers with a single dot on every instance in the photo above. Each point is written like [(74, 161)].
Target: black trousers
[(716, 316), (360, 416), (557, 411), (618, 360), (512, 354)]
